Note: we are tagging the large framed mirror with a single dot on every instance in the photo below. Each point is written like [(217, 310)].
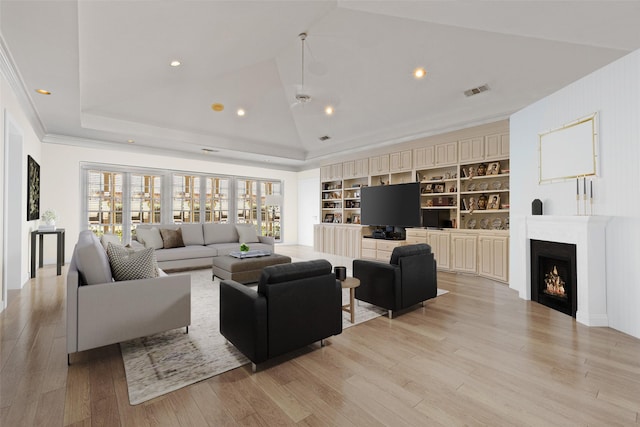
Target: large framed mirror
[(569, 151)]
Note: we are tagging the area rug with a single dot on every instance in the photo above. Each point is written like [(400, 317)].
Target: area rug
[(161, 363)]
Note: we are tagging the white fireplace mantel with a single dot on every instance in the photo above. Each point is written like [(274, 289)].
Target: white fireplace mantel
[(588, 234)]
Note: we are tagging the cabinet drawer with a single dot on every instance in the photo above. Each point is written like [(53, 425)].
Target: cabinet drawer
[(416, 240), (369, 253), (368, 244), (383, 256), (388, 246)]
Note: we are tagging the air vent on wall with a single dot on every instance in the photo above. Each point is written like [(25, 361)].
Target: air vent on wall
[(324, 138), (476, 90)]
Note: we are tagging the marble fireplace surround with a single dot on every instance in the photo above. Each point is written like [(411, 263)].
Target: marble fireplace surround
[(588, 233)]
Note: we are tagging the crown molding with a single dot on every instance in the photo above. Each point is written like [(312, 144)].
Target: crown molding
[(11, 73)]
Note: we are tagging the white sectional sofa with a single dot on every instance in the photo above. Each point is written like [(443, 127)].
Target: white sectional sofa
[(101, 311), (202, 242)]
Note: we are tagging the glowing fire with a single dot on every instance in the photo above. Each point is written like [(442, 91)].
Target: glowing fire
[(554, 284)]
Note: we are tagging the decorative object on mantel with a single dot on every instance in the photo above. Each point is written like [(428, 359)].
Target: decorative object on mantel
[(49, 217), (536, 207), (587, 208)]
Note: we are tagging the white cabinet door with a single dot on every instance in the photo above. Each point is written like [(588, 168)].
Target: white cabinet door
[(425, 157), (361, 168), (497, 146), (493, 257), (447, 154), (336, 171), (318, 238), (379, 164), (441, 248), (349, 169), (400, 161), (325, 173), (464, 253), (472, 150)]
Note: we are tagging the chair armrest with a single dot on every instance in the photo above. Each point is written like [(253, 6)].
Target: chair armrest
[(243, 319), (119, 311), (377, 283)]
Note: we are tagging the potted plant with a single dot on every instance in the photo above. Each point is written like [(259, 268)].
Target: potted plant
[(49, 217), (244, 248)]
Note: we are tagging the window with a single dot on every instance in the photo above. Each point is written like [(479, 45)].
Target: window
[(270, 202), (246, 202), (186, 198), (145, 199), (117, 200), (217, 200), (104, 202)]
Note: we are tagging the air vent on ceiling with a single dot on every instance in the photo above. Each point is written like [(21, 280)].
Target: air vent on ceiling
[(209, 150), (324, 138), (476, 90)]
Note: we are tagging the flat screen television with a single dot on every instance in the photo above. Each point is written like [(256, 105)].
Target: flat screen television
[(395, 205)]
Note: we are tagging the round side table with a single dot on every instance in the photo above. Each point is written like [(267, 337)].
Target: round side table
[(350, 283)]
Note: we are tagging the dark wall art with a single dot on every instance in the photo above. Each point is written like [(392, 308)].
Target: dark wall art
[(33, 189)]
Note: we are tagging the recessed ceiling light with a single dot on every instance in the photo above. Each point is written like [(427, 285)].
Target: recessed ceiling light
[(241, 112), (175, 63), (217, 107), (419, 73), (130, 141), (328, 110), (43, 92)]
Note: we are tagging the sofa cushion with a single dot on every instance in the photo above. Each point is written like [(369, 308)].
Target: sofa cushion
[(192, 234), (220, 233), (107, 238), (91, 259), (295, 271), (187, 252), (171, 238), (247, 233), (127, 264), (150, 237)]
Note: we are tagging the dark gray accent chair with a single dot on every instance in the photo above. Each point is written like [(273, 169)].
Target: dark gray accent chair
[(295, 305), (409, 278)]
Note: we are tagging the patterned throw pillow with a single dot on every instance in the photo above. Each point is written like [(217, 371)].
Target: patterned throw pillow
[(171, 238), (127, 264)]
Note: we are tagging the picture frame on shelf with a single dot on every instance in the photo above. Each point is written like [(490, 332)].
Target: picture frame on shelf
[(328, 217), (428, 188), (438, 188), (337, 218), (355, 219), (493, 168), (494, 202)]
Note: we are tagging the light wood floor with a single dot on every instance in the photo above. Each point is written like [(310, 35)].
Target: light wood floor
[(475, 356)]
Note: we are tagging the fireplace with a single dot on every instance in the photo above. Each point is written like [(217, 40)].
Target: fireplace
[(553, 275)]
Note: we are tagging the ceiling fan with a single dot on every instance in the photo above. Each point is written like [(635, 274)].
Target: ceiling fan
[(301, 97)]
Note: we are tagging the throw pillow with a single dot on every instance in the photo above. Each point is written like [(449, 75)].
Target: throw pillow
[(127, 264), (247, 233), (107, 238), (150, 237), (171, 238)]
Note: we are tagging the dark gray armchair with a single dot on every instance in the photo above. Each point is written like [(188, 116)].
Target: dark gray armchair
[(295, 305), (410, 278)]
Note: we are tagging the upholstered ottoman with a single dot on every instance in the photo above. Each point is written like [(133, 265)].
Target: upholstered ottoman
[(244, 270)]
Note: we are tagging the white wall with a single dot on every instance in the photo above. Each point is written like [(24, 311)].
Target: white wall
[(30, 146), (308, 204), (61, 184), (613, 92)]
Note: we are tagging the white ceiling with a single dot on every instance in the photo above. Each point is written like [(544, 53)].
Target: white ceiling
[(107, 65)]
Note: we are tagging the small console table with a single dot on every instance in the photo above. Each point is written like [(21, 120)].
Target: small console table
[(59, 232)]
